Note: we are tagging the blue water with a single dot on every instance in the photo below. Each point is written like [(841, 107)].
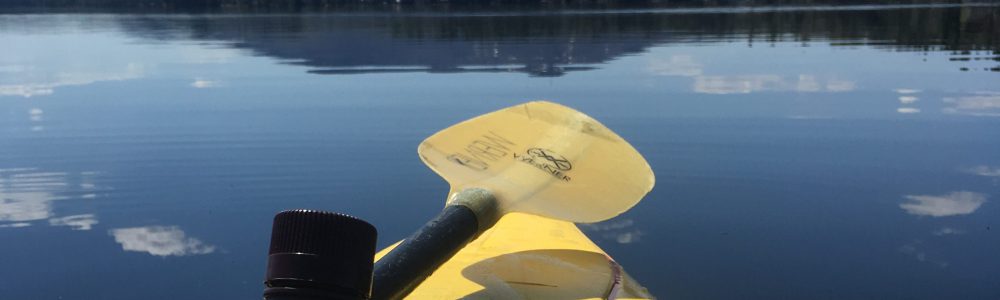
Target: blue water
[(844, 154)]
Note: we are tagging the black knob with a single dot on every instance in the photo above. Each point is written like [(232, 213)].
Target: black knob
[(319, 255)]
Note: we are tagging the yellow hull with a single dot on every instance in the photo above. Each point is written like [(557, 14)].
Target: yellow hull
[(529, 257)]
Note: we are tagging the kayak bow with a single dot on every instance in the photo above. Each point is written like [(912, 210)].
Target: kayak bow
[(529, 257)]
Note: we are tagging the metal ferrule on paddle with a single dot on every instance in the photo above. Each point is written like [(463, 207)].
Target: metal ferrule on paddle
[(468, 214)]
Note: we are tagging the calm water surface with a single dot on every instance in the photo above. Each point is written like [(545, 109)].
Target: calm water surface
[(799, 153)]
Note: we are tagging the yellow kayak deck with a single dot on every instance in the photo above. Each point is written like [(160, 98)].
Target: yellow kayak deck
[(529, 257)]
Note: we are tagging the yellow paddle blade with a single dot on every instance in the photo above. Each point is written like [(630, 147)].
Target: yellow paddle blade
[(542, 158)]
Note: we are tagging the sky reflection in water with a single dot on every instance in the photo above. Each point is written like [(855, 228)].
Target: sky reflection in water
[(801, 154)]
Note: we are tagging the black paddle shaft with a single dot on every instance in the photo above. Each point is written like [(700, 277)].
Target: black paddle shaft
[(406, 266)]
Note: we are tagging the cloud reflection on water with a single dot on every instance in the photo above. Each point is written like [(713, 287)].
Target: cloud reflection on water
[(947, 231), (19, 205), (907, 99), (15, 225), (44, 83), (204, 84), (27, 195), (676, 65), (745, 84), (37, 65), (983, 104), (688, 66), (35, 114), (917, 250), (620, 231), (160, 241), (951, 204), (984, 170), (76, 222)]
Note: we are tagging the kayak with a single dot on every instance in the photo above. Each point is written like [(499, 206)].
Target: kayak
[(529, 257)]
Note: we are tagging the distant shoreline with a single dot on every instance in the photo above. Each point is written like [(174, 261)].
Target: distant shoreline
[(544, 6)]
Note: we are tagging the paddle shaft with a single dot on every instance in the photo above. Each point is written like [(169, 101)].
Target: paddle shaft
[(413, 260)]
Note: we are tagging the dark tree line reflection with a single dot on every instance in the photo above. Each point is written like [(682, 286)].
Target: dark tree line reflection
[(553, 44)]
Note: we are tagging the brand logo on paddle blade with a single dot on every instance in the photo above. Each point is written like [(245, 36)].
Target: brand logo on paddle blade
[(548, 161), (557, 161)]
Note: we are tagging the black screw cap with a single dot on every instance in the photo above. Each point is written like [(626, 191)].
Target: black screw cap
[(320, 255)]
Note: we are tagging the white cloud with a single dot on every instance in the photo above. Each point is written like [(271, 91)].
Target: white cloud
[(76, 222), (160, 241), (951, 204), (907, 99), (908, 110)]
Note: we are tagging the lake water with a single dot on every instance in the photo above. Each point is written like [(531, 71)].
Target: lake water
[(842, 153)]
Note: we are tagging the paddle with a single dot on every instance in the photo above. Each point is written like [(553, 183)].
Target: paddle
[(540, 158)]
